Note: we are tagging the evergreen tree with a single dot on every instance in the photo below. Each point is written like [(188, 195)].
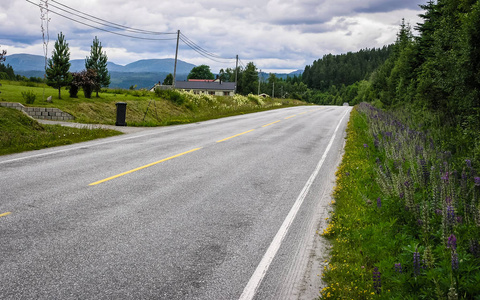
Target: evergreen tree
[(98, 62), (57, 71), (168, 80), (3, 53), (249, 80)]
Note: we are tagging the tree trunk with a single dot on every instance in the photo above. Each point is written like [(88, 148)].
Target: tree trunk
[(59, 95)]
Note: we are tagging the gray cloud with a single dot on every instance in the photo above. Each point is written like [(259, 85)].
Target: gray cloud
[(275, 34)]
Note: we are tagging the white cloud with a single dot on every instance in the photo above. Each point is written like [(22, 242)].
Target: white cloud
[(274, 34)]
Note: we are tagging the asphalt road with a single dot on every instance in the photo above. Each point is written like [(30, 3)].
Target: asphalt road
[(223, 209)]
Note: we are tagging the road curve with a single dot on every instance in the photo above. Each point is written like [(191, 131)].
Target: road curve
[(223, 209)]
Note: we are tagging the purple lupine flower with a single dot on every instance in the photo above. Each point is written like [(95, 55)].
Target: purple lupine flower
[(452, 242), (469, 163), (455, 263), (379, 202), (477, 181), (438, 212), (459, 219), (377, 282), (448, 200), (419, 222), (450, 214), (416, 263), (365, 146), (398, 268), (347, 173), (445, 177)]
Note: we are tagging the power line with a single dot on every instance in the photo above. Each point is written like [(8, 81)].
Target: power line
[(95, 27), (114, 25), (82, 18), (202, 51)]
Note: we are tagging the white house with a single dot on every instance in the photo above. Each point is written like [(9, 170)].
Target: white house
[(205, 86)]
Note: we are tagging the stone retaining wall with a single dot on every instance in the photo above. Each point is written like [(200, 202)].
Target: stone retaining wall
[(47, 113)]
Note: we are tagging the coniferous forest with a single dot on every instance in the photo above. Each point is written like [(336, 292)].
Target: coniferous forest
[(434, 74)]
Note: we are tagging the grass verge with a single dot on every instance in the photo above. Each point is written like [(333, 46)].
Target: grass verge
[(406, 224), (144, 108), (20, 133)]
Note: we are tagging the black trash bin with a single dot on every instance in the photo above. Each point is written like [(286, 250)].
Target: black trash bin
[(121, 113)]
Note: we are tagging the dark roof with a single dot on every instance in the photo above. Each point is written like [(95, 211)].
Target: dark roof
[(203, 85)]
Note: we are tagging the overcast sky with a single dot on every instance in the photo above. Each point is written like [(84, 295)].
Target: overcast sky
[(277, 35)]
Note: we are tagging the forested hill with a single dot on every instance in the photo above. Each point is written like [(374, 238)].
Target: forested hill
[(344, 69)]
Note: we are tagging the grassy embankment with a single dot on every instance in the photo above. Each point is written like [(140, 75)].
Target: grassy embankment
[(163, 108), (20, 133), (406, 223)]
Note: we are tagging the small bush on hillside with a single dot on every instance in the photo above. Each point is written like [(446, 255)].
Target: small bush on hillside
[(175, 96), (29, 97), (256, 99)]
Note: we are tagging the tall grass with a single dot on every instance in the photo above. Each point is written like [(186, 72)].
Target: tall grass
[(406, 222)]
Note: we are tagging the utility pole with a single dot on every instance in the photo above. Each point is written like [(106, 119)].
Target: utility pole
[(259, 79), (176, 56), (273, 92), (236, 75)]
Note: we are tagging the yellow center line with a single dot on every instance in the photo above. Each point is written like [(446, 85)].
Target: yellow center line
[(303, 113), (271, 123), (5, 214), (143, 167), (235, 136), (290, 117)]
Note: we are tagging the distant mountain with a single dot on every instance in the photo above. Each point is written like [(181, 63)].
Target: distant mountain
[(297, 72), (143, 73), (28, 62)]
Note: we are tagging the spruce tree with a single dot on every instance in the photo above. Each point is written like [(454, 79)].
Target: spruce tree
[(58, 74), (98, 62)]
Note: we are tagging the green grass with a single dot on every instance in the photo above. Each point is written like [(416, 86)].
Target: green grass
[(160, 110), (394, 195), (20, 133)]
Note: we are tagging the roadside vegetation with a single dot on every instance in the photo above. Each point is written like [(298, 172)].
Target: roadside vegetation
[(19, 133), (144, 108), (406, 223)]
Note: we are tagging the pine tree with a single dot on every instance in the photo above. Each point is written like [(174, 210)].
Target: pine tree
[(98, 62), (58, 74), (3, 53)]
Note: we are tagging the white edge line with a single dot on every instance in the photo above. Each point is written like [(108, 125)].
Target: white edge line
[(262, 268), (75, 148)]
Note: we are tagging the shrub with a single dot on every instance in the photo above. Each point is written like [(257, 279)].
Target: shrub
[(258, 100), (29, 97), (175, 96), (84, 79)]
